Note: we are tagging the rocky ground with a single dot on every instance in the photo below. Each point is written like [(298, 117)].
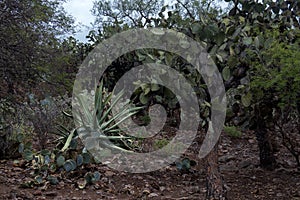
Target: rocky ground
[(238, 164)]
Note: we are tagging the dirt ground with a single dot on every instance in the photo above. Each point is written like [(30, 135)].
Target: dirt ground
[(238, 163)]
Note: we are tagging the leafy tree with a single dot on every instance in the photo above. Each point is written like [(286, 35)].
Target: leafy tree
[(133, 13), (189, 17), (276, 84), (30, 32), (254, 27), (240, 43), (32, 59)]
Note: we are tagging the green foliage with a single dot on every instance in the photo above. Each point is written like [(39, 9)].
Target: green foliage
[(29, 38), (60, 160), (15, 132), (158, 144), (52, 180), (70, 155), (92, 177), (89, 178), (70, 165), (185, 164), (86, 158), (279, 75), (79, 160), (166, 146), (53, 162), (255, 47), (181, 16), (45, 115), (100, 120), (117, 13), (233, 131)]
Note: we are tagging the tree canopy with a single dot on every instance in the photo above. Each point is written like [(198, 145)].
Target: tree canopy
[(30, 32)]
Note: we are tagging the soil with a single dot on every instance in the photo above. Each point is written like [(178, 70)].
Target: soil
[(239, 165)]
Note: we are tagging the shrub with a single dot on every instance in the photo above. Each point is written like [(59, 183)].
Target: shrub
[(14, 129)]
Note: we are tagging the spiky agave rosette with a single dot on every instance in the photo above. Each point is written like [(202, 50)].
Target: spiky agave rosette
[(98, 127)]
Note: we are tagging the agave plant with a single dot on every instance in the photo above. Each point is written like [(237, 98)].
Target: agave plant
[(99, 120)]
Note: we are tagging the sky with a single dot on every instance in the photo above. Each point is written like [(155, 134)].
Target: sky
[(80, 10)]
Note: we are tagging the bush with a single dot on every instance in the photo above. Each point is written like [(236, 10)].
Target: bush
[(13, 129), (45, 116)]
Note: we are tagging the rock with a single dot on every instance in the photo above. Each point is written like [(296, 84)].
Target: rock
[(279, 195), (104, 180), (226, 158), (153, 195), (146, 191), (51, 194), (162, 188), (228, 168), (227, 187), (203, 190), (37, 193), (245, 164), (297, 194), (109, 173), (251, 141)]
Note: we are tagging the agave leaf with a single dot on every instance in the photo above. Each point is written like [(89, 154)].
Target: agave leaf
[(108, 98), (63, 128), (117, 130), (115, 137), (98, 95), (99, 104), (105, 126), (101, 110), (67, 144), (113, 128), (105, 114), (126, 111), (67, 114), (86, 116), (62, 131), (116, 117), (119, 122), (115, 147)]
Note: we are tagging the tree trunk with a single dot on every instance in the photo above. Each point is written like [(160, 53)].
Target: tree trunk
[(214, 181), (266, 151)]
